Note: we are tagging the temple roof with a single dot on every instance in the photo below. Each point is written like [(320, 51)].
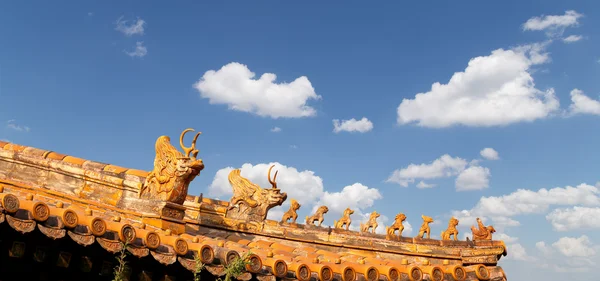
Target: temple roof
[(151, 213)]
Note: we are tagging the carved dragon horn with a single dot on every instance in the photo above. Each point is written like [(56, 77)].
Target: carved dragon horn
[(192, 149), (273, 182)]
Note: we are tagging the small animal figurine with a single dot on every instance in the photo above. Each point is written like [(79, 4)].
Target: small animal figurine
[(425, 227), (451, 230), (345, 220), (291, 213), (317, 216), (371, 223)]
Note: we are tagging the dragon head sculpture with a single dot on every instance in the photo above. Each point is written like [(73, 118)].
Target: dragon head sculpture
[(250, 201), (173, 171)]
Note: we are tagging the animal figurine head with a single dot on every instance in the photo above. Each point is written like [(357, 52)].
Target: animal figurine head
[(491, 229), (374, 215), (322, 210), (348, 211), (294, 205), (426, 219), (400, 217), (453, 222)]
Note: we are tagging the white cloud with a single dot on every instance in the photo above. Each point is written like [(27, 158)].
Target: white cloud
[(489, 153), (355, 196), (423, 184), (139, 51), (362, 126), (543, 248), (276, 130), (502, 222), (525, 201), (574, 218), (576, 254), (517, 252), (575, 247), (582, 104), (293, 146), (129, 29), (493, 90), (11, 124), (572, 38), (473, 178), (303, 186), (506, 238), (235, 86), (553, 24), (501, 209), (90, 14), (445, 166)]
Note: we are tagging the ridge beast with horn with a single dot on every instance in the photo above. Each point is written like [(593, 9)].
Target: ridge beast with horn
[(250, 202), (173, 171)]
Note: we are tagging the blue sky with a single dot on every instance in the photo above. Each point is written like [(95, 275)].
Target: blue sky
[(103, 80)]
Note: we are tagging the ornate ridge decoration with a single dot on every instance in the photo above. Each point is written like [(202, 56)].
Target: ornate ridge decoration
[(173, 171), (484, 232), (371, 223), (398, 225), (250, 202), (317, 216), (425, 227), (345, 220), (291, 213), (451, 231)]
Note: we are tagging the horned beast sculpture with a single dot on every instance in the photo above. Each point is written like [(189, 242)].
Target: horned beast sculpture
[(173, 171), (250, 201)]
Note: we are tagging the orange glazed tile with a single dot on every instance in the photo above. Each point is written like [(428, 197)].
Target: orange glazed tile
[(55, 156), (261, 244), (3, 143), (34, 151), (243, 242), (114, 169), (138, 173), (14, 147), (74, 160), (279, 246)]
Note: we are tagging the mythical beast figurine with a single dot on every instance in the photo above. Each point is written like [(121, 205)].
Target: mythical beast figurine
[(371, 223), (345, 220), (398, 225), (451, 230), (425, 227), (317, 216), (250, 202), (291, 213), (484, 232), (173, 171)]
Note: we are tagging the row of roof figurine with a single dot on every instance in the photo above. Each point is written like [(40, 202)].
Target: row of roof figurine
[(481, 232)]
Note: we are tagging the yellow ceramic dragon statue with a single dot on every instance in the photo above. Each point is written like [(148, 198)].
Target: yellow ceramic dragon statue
[(173, 171), (250, 202)]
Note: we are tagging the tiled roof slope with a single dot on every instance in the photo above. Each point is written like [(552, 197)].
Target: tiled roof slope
[(92, 202)]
